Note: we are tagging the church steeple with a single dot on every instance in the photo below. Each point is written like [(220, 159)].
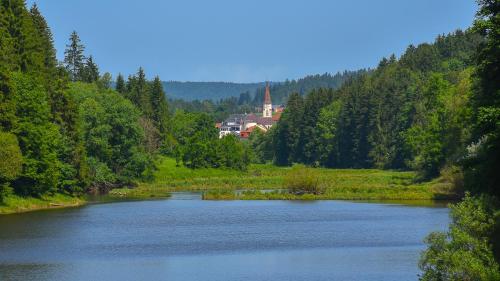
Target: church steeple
[(267, 109), (267, 97)]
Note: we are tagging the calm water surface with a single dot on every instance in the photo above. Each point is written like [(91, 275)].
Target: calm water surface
[(190, 239)]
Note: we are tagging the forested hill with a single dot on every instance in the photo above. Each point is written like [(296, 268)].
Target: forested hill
[(281, 91), (254, 92), (207, 90)]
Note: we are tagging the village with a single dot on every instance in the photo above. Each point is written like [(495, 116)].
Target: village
[(242, 125)]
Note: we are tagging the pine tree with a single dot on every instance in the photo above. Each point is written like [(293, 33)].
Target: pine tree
[(45, 40), (286, 138), (90, 71), (74, 58), (140, 95), (160, 106), (120, 84)]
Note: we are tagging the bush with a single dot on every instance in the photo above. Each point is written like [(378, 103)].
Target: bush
[(464, 252), (303, 180)]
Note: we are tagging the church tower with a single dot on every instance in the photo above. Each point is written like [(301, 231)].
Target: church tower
[(267, 109)]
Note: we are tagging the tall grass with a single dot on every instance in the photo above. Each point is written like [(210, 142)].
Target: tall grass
[(303, 180), (18, 204), (296, 183)]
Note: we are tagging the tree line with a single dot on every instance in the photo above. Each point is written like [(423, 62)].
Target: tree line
[(408, 113)]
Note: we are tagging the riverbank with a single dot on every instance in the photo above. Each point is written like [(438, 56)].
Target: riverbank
[(259, 179), (17, 204)]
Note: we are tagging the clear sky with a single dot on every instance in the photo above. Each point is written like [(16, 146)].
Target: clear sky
[(251, 40)]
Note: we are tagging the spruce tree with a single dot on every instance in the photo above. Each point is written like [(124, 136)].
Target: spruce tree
[(45, 40), (74, 58), (91, 71), (120, 84), (160, 106)]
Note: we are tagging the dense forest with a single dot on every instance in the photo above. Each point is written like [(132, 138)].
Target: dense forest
[(189, 91), (281, 91)]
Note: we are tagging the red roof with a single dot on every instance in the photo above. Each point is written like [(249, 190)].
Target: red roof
[(276, 116)]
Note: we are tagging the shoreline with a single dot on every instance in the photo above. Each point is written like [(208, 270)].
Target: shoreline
[(31, 204), (15, 204)]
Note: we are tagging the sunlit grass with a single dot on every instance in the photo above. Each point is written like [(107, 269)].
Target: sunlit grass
[(347, 184), (18, 204)]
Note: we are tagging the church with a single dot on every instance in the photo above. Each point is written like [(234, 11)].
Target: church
[(242, 125)]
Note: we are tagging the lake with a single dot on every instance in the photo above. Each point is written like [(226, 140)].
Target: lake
[(185, 238)]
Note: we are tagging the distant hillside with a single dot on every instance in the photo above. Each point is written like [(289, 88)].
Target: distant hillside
[(281, 91), (207, 90)]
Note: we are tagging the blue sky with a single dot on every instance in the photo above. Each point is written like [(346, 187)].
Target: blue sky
[(249, 41)]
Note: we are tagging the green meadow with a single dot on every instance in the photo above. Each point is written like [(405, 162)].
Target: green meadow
[(266, 182)]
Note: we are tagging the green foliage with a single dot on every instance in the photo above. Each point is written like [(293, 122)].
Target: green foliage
[(10, 157), (261, 146), (463, 252), (112, 136), (470, 250), (483, 162), (10, 162), (90, 71), (38, 137), (288, 131), (232, 153), (149, 97), (327, 126), (199, 150)]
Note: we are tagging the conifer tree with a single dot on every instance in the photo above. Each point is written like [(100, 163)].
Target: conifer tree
[(90, 71), (74, 58), (45, 40), (120, 84), (160, 106)]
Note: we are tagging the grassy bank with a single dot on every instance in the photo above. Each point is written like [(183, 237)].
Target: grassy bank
[(348, 184), (17, 204)]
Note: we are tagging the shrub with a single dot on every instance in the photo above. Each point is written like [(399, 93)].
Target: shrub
[(302, 180), (463, 252)]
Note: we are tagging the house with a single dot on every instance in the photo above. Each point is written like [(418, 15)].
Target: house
[(243, 125)]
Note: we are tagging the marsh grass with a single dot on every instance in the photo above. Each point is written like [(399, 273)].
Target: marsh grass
[(346, 184), (303, 180)]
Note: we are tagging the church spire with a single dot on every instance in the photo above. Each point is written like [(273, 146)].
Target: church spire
[(267, 109), (267, 97)]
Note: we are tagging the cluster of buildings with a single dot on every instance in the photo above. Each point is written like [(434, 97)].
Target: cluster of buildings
[(242, 125)]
